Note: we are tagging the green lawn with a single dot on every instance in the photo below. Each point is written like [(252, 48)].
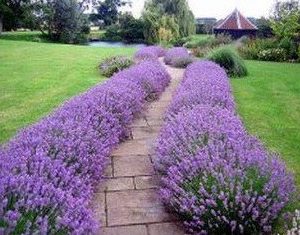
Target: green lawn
[(37, 77), (269, 103), (30, 36)]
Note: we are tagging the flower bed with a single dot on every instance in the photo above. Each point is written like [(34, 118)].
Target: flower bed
[(176, 53), (49, 170), (149, 52), (215, 176)]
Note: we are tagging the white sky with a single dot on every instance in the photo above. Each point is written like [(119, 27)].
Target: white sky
[(218, 8)]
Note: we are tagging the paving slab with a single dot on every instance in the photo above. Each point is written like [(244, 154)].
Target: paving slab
[(133, 147), (133, 166), (135, 207), (125, 230), (117, 184), (166, 229), (146, 182)]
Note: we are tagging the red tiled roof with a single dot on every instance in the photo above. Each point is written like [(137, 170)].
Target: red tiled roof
[(236, 21)]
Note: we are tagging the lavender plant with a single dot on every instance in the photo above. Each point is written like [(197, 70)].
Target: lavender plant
[(49, 170), (217, 178), (205, 83), (225, 190), (192, 130), (114, 64), (174, 54), (149, 52)]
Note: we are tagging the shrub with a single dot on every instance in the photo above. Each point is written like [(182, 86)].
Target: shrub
[(217, 178), (150, 52), (114, 64), (175, 53), (230, 61), (276, 54), (201, 51), (191, 130), (228, 191), (211, 42), (48, 172), (204, 83), (182, 62)]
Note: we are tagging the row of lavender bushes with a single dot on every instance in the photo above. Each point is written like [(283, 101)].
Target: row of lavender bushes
[(48, 172), (178, 57), (215, 176)]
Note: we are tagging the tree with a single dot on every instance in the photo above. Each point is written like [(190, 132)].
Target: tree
[(15, 13), (286, 20), (108, 10), (171, 18), (64, 20), (264, 28)]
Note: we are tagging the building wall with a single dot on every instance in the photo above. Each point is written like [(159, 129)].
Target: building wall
[(235, 34)]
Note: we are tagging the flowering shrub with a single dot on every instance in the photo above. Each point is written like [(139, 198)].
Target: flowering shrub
[(295, 224), (150, 52), (189, 131), (274, 54), (182, 62), (114, 64), (175, 53), (49, 170), (223, 190), (217, 178), (206, 83)]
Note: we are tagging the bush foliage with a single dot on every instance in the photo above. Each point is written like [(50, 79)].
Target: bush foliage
[(114, 64), (175, 53), (215, 176), (270, 49), (229, 60)]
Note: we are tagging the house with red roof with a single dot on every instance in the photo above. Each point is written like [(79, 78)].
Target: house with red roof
[(236, 25)]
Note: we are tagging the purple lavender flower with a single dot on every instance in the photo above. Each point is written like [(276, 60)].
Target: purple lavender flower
[(175, 53), (189, 131), (149, 52), (225, 190), (49, 170), (217, 178), (204, 83)]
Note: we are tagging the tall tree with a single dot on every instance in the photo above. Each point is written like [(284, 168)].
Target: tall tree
[(108, 10), (13, 13), (286, 19), (168, 16)]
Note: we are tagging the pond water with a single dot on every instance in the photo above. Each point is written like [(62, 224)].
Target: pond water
[(114, 44)]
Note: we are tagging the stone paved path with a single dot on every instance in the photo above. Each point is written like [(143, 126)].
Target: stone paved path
[(127, 202)]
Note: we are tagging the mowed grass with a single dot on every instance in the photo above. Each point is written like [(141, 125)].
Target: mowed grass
[(269, 103), (23, 36), (37, 77)]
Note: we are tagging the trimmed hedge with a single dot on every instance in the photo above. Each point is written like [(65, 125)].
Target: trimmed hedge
[(49, 170), (215, 176)]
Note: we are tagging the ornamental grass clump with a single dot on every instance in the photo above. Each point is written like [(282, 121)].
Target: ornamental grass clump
[(215, 176), (48, 172), (204, 83), (175, 53), (149, 52), (224, 190), (229, 60), (114, 64)]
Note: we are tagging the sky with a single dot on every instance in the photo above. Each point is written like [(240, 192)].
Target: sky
[(218, 8)]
